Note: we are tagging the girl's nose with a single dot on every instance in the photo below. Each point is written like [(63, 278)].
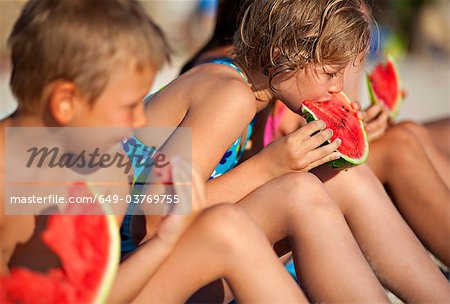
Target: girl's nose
[(337, 84)]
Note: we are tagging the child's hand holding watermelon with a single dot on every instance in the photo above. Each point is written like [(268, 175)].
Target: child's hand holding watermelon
[(174, 225), (376, 121), (301, 150)]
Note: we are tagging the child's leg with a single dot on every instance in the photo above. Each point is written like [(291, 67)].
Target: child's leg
[(440, 134), (222, 242), (394, 252), (440, 161), (400, 162), (330, 265)]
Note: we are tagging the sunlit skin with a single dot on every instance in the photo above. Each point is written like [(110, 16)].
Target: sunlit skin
[(119, 105), (408, 147), (218, 105), (198, 237), (316, 84)]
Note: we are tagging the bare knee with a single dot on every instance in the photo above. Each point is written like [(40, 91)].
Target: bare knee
[(418, 130), (295, 185), (342, 186), (403, 146), (304, 197), (225, 226)]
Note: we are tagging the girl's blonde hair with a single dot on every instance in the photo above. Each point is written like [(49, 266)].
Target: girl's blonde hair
[(280, 36)]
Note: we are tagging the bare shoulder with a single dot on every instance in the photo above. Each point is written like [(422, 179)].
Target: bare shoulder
[(221, 88)]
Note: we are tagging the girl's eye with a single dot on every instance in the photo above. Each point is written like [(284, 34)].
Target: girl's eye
[(331, 75)]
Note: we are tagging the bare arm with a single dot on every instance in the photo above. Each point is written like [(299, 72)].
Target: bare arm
[(221, 119), (298, 151), (139, 267)]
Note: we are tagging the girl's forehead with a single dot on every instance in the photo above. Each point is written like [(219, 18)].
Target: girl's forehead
[(325, 68)]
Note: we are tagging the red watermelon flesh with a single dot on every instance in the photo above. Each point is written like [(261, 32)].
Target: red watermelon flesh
[(88, 248), (340, 117), (384, 86)]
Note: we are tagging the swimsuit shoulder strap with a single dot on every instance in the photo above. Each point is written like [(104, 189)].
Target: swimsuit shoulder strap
[(229, 62)]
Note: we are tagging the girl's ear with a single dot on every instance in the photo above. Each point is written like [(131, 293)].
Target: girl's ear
[(61, 101)]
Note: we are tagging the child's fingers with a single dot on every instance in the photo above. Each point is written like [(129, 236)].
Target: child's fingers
[(379, 123), (183, 173), (305, 132), (372, 112), (181, 177), (301, 122), (361, 115), (378, 128), (163, 174), (317, 139), (324, 151), (356, 105), (321, 155), (375, 135), (320, 160)]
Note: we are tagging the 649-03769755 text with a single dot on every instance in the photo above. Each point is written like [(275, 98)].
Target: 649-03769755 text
[(97, 198)]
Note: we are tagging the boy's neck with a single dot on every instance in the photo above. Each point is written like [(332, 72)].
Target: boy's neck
[(26, 121)]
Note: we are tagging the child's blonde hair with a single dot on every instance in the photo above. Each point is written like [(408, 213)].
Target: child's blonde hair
[(79, 41), (280, 36)]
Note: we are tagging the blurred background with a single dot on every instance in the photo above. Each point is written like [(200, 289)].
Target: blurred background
[(416, 32)]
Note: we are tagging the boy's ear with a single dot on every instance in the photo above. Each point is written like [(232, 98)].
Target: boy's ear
[(61, 101)]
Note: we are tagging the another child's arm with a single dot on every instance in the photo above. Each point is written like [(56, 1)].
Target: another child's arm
[(139, 267)]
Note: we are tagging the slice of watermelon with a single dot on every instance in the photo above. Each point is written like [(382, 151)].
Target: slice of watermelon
[(385, 87), (88, 248), (340, 117)]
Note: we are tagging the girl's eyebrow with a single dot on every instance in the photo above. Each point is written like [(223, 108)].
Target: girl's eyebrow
[(333, 69)]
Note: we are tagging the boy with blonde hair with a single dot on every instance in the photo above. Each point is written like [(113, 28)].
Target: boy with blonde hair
[(89, 63)]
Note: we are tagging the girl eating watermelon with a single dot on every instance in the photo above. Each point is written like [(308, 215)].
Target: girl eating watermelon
[(88, 63), (296, 51)]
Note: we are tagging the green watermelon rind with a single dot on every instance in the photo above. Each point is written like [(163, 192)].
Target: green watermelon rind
[(114, 254), (344, 162), (373, 97), (113, 261)]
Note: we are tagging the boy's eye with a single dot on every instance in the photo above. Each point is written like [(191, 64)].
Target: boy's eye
[(132, 105)]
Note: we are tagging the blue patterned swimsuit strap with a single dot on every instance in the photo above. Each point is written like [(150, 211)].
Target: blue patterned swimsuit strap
[(229, 62)]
